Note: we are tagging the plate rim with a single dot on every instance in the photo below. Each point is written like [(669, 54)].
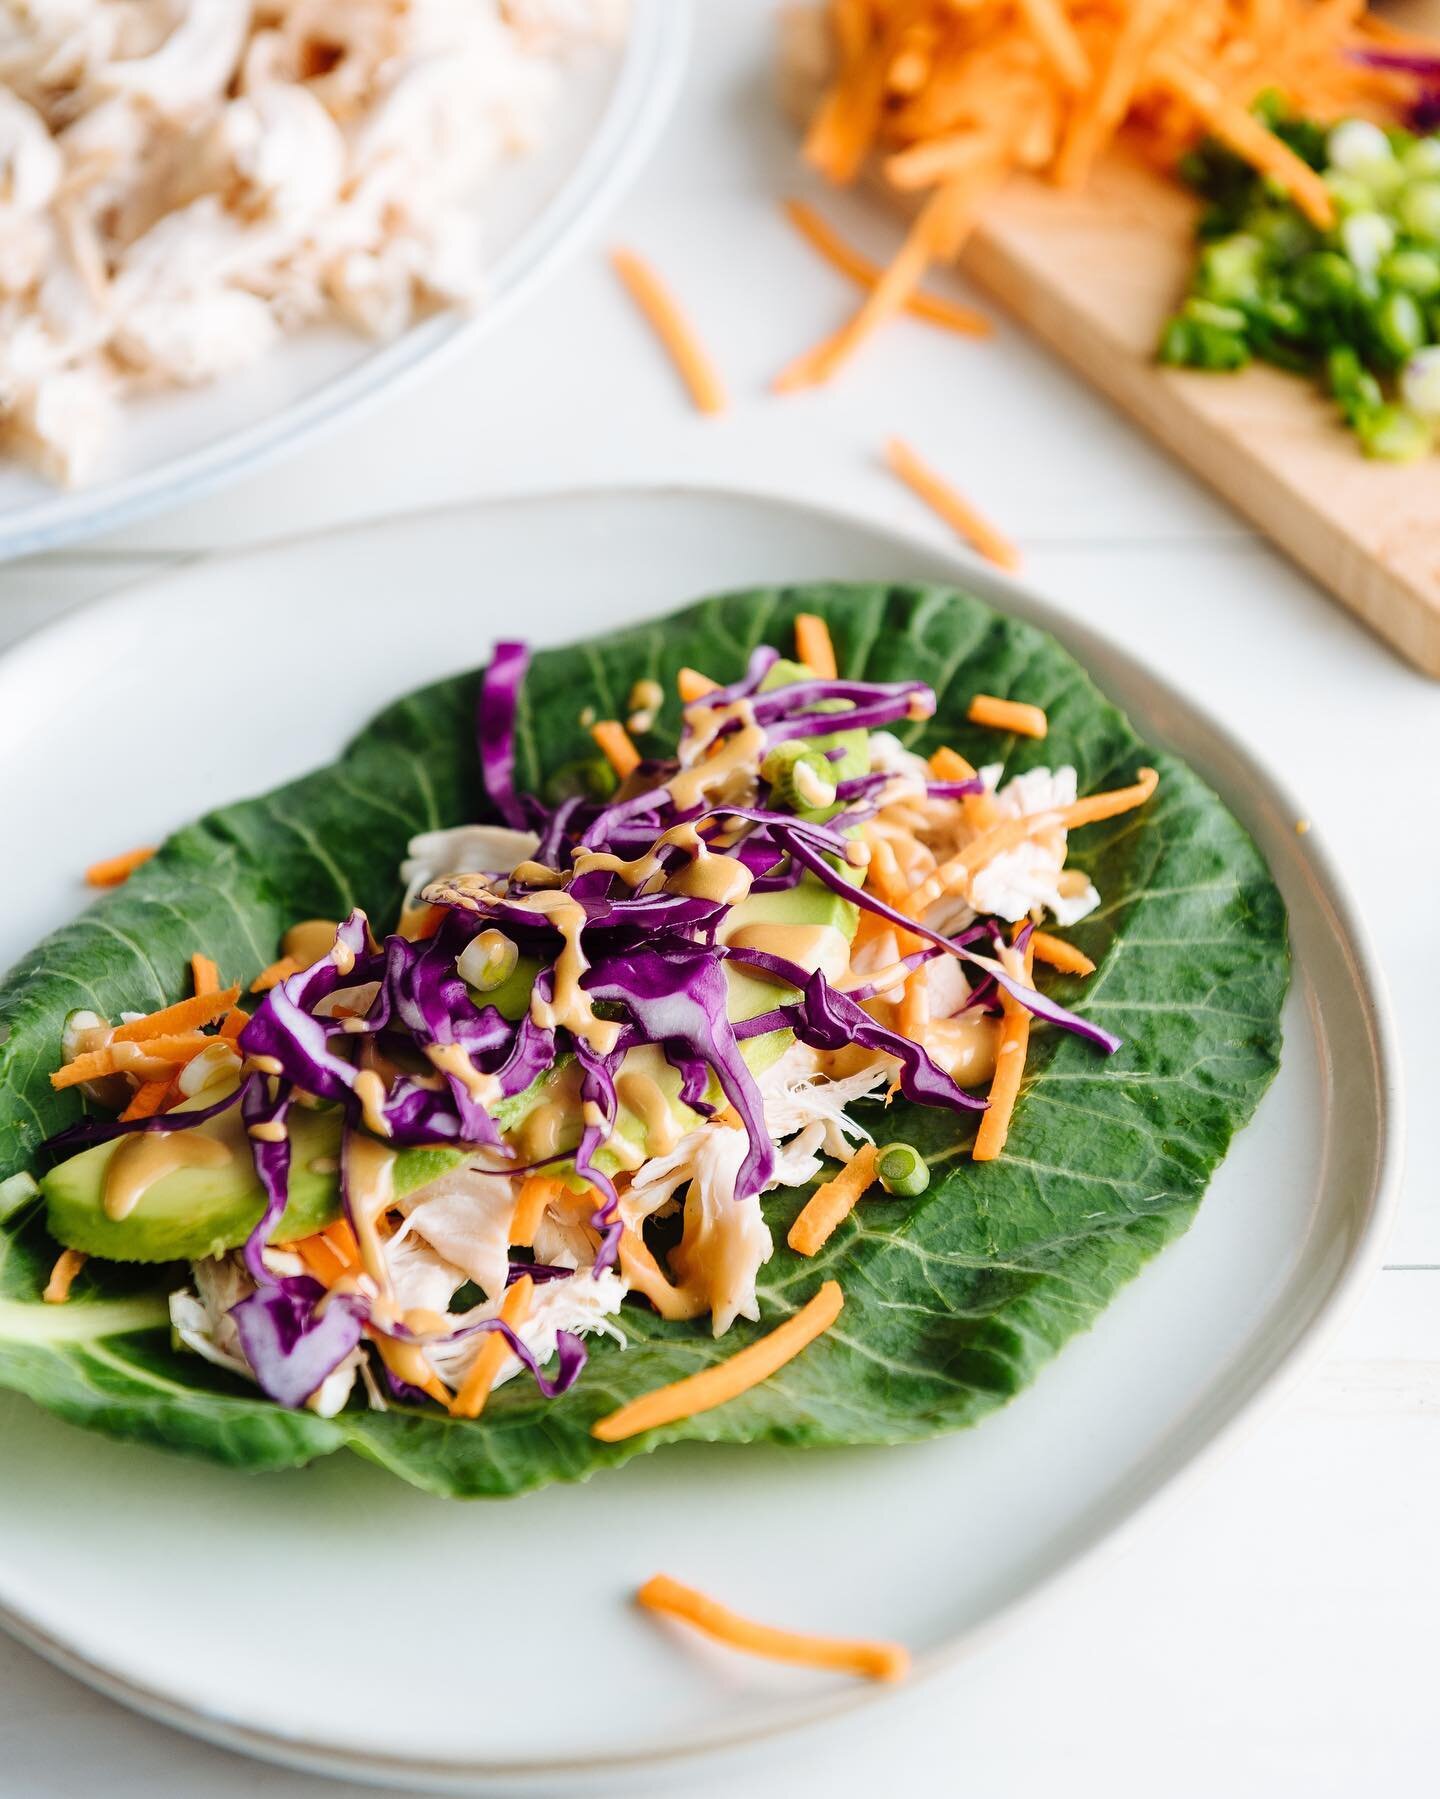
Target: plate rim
[(1259, 1392), (651, 67)]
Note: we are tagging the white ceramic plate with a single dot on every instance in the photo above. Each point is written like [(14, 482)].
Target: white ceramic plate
[(173, 447), (340, 1620)]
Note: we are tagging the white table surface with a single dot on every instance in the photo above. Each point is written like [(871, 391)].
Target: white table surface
[(1272, 1635)]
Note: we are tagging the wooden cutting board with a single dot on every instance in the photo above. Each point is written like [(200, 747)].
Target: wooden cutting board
[(1094, 275)]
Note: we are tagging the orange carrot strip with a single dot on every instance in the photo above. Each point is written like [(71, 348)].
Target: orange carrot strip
[(319, 1258), (956, 511), (814, 647), (1098, 806), (535, 1194), (235, 1021), (841, 1655), (728, 1379), (116, 1058), (420, 922), (1245, 135), (948, 765), (1060, 954), (672, 328), (274, 974), (475, 1389), (833, 1202), (914, 1014), (68, 1264), (1052, 30), (1008, 715), (114, 871), (186, 1015), (692, 685), (1009, 1067), (204, 974), (866, 274), (149, 1099), (614, 740)]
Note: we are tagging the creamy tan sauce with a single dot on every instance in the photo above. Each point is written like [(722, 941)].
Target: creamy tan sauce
[(147, 1157), (812, 946), (309, 940), (269, 1130), (370, 1191), (964, 1046), (264, 1065), (544, 1130), (569, 1008), (643, 1096), (370, 1091), (451, 1059), (718, 759)]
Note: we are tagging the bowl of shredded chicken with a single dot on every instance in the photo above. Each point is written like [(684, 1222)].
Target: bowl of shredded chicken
[(186, 183)]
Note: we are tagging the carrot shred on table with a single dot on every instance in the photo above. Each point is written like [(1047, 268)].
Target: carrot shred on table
[(1015, 716), (672, 328), (184, 1015), (204, 975), (951, 505), (274, 974), (67, 1265), (833, 1202), (1059, 954), (617, 746), (1009, 1067), (114, 871), (469, 1401), (692, 685), (849, 262), (869, 1659), (728, 1379), (814, 646)]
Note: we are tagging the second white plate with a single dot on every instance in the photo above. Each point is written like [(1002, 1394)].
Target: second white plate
[(340, 1620)]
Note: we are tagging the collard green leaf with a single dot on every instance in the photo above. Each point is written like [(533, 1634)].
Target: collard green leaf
[(953, 1301)]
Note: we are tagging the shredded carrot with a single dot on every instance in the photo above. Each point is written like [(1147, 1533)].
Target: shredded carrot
[(1008, 715), (692, 685), (1098, 806), (204, 975), (949, 98), (420, 922), (150, 1098), (274, 974), (914, 1014), (614, 741), (68, 1264), (117, 1058), (672, 328), (320, 1258), (1060, 954), (841, 1655), (235, 1021), (866, 274), (727, 1379), (475, 1388), (948, 765), (1009, 1067), (814, 647), (536, 1192), (833, 1202), (186, 1015), (114, 871), (951, 505)]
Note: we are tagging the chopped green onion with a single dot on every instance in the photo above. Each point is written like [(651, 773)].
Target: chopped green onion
[(1399, 326), (1419, 210), (19, 1190), (589, 778), (802, 779), (1393, 434), (902, 1170), (487, 961)]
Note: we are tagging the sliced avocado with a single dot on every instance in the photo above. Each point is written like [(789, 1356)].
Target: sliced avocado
[(203, 1211)]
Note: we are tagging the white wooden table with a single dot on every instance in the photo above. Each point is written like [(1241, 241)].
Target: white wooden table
[(1275, 1635)]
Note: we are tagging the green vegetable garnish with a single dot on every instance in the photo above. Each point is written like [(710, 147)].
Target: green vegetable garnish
[(1357, 307), (902, 1170)]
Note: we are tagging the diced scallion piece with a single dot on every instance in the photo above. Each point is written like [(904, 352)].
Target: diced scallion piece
[(19, 1190), (487, 961), (801, 779), (903, 1171)]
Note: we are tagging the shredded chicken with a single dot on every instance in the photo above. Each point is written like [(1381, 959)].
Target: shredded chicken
[(182, 181)]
